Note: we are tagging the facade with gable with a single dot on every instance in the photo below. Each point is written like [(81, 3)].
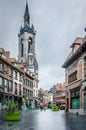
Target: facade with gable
[(75, 76)]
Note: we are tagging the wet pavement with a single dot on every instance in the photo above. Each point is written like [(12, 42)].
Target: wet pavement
[(46, 120)]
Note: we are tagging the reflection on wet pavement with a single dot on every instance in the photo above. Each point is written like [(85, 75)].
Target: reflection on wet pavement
[(46, 120), (14, 125)]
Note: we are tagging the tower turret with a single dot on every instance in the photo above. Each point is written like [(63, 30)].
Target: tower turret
[(26, 15)]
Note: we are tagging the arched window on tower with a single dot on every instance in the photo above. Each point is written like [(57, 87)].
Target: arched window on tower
[(22, 48), (30, 45), (30, 61)]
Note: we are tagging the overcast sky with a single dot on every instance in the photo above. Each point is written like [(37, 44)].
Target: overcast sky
[(57, 24)]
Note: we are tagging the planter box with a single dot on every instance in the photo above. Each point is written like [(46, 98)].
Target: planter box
[(55, 108), (13, 116)]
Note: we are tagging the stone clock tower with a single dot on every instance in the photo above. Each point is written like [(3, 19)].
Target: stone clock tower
[(27, 55)]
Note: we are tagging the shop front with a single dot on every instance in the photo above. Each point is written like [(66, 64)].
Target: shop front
[(75, 101), (18, 99)]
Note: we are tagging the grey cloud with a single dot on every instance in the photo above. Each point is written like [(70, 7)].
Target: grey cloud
[(57, 23)]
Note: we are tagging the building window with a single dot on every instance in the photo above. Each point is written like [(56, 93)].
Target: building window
[(20, 91), (72, 77), (24, 81), (1, 81), (23, 91), (16, 76), (32, 84), (1, 67), (6, 85), (10, 85), (20, 77), (10, 72), (16, 88)]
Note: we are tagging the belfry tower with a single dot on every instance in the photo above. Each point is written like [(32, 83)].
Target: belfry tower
[(26, 52)]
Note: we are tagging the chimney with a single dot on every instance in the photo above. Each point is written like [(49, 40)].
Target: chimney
[(8, 54)]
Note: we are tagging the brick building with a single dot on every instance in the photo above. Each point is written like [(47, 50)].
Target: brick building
[(75, 76), (40, 95), (59, 95)]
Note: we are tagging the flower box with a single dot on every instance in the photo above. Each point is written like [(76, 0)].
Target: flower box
[(13, 116)]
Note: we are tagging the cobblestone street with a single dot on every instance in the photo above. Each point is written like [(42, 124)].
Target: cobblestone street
[(43, 120)]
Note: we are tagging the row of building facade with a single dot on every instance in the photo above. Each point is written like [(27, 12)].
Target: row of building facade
[(54, 96), (16, 81), (19, 78), (74, 88)]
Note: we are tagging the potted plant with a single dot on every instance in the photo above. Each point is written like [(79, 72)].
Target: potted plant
[(12, 113)]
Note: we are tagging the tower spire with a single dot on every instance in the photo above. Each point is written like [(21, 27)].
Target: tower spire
[(26, 14)]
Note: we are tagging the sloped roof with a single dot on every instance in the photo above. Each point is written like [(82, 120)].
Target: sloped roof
[(78, 52)]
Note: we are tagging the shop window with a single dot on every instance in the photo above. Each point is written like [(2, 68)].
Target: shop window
[(75, 94), (75, 103), (6, 101), (75, 99)]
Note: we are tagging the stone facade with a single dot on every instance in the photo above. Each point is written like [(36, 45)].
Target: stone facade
[(15, 81), (26, 53)]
